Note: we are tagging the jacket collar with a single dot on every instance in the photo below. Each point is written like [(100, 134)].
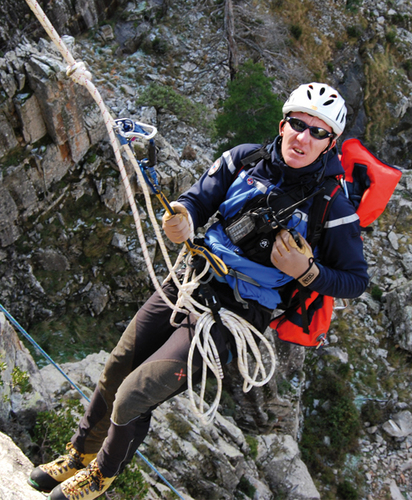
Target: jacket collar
[(329, 162)]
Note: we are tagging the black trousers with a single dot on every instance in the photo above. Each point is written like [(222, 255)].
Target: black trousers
[(147, 367)]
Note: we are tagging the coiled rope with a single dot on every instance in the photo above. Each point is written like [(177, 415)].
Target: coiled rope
[(242, 331)]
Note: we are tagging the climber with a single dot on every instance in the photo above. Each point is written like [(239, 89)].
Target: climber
[(149, 363)]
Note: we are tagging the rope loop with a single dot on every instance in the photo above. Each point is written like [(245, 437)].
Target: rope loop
[(79, 73)]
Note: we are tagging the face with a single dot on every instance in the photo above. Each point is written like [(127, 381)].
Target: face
[(300, 149)]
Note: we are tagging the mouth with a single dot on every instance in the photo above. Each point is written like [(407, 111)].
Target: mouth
[(298, 151)]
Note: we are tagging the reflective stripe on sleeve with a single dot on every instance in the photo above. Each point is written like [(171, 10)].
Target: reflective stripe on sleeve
[(229, 162), (342, 221)]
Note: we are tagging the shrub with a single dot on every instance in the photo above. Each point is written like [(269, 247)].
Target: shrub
[(166, 99), (354, 31), (178, 424), (296, 31), (21, 379), (251, 112), (253, 445), (376, 292), (346, 491), (130, 483), (336, 417), (53, 429)]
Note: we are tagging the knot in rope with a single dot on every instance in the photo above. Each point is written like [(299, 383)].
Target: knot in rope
[(79, 73)]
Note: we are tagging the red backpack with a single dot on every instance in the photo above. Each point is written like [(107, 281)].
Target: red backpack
[(369, 185)]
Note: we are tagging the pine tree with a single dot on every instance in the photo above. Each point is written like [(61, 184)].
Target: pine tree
[(251, 112)]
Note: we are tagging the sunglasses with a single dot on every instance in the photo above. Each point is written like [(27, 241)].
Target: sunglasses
[(301, 126)]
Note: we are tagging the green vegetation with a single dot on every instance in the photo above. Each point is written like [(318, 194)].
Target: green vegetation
[(21, 380), (166, 99), (353, 5), (296, 31), (251, 112), (346, 491), (253, 445), (54, 429), (178, 424), (376, 292), (332, 426), (130, 483), (246, 487)]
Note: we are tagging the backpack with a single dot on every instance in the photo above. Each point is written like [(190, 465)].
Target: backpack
[(369, 184)]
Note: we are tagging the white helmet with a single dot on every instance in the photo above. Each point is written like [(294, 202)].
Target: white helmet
[(321, 100)]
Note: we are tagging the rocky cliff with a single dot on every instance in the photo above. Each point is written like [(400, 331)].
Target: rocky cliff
[(71, 267)]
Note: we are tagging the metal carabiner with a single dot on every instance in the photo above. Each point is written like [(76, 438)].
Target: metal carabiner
[(129, 129)]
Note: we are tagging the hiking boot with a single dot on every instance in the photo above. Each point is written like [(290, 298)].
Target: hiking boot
[(47, 476), (86, 484)]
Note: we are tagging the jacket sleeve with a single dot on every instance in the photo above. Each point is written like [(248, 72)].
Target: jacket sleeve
[(205, 196), (343, 269)]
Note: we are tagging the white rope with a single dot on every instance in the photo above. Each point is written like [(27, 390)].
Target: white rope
[(242, 331)]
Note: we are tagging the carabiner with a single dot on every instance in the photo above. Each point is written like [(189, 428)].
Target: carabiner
[(128, 129)]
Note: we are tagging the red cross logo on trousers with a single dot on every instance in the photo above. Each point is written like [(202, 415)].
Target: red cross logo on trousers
[(181, 374)]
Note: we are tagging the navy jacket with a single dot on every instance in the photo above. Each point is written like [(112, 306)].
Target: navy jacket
[(343, 270)]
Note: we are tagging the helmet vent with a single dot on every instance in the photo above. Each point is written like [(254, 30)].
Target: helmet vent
[(327, 103), (309, 95), (322, 91)]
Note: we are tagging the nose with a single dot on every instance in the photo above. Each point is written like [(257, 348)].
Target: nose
[(304, 136)]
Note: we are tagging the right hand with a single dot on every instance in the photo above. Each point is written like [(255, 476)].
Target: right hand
[(176, 226)]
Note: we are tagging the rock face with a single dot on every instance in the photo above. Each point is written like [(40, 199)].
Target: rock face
[(218, 457), (22, 390), (69, 252), (398, 307), (68, 18), (44, 106), (15, 469)]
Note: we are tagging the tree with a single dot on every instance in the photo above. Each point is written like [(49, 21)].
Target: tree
[(230, 35), (251, 112)]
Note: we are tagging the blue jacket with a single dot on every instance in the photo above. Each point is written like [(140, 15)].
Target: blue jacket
[(225, 187)]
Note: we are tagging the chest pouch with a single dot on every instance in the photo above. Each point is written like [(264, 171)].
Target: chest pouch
[(254, 228)]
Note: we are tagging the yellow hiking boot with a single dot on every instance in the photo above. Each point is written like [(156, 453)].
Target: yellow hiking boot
[(86, 484), (47, 476)]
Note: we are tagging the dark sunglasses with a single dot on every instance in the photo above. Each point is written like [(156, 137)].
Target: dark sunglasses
[(316, 132)]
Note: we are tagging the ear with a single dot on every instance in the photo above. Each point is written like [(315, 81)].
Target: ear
[(332, 144), (281, 125)]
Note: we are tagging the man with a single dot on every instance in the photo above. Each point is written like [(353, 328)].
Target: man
[(149, 364)]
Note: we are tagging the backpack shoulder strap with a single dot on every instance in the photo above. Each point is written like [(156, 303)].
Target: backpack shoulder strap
[(319, 212), (262, 153)]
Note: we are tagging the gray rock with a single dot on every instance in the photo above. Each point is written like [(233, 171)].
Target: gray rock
[(22, 390), (400, 425), (15, 469), (399, 310)]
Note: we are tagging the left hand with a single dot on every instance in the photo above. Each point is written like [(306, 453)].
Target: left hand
[(294, 259)]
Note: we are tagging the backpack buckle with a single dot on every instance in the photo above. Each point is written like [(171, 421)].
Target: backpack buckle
[(322, 341)]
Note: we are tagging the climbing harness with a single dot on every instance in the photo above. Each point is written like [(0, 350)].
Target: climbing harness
[(14, 322), (121, 133)]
